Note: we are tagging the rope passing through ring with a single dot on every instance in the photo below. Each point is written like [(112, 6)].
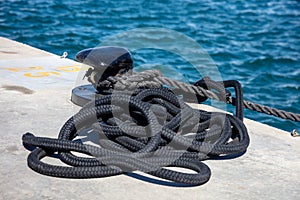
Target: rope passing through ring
[(149, 130)]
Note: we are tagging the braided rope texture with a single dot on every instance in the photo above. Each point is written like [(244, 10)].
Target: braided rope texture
[(272, 111), (144, 130), (153, 78)]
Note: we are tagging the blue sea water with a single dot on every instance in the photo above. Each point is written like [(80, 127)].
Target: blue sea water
[(256, 42)]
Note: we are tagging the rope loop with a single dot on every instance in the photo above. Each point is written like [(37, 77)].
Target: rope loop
[(146, 131)]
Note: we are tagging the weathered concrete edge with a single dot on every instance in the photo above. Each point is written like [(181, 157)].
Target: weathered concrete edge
[(10, 49)]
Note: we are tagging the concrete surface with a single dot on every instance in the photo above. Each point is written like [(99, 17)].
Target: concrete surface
[(269, 170)]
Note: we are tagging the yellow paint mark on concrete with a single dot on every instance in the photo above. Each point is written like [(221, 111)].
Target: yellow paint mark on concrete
[(72, 68), (24, 68), (41, 74)]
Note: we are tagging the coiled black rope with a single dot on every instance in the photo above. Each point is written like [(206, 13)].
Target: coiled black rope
[(145, 130)]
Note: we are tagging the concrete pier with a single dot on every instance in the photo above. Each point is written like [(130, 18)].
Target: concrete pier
[(35, 89)]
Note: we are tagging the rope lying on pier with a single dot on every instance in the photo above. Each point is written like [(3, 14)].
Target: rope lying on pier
[(141, 130), (143, 124)]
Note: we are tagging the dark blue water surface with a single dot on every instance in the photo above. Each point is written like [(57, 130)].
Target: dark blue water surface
[(254, 42)]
